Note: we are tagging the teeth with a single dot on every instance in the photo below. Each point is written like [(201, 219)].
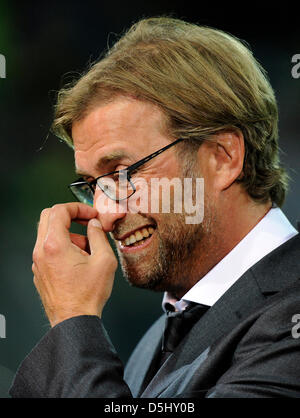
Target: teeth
[(145, 233), (132, 239), (138, 236)]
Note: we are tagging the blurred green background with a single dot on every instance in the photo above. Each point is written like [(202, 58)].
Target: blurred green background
[(46, 43)]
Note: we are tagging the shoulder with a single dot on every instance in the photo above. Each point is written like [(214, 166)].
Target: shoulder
[(274, 325), (266, 359)]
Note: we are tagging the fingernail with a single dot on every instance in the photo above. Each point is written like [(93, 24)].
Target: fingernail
[(95, 223)]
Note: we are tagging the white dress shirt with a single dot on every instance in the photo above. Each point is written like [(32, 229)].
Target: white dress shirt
[(273, 230)]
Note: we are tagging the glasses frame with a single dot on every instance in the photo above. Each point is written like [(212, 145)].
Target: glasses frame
[(128, 171)]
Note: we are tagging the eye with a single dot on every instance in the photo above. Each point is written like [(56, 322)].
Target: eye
[(116, 177), (120, 176), (88, 179)]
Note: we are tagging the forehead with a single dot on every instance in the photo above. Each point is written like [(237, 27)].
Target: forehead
[(123, 122)]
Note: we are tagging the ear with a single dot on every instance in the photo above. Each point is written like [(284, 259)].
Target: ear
[(225, 158)]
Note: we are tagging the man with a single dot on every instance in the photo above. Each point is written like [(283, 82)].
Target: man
[(171, 100)]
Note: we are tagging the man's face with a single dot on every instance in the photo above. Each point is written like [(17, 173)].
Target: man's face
[(112, 137)]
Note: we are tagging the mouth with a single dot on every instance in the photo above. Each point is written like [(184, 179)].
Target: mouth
[(137, 240)]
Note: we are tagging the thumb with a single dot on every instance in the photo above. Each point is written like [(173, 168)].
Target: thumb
[(98, 241)]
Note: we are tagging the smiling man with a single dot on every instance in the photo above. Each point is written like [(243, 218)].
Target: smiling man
[(171, 101)]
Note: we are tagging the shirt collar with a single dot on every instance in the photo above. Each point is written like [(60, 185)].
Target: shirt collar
[(273, 230), (172, 304)]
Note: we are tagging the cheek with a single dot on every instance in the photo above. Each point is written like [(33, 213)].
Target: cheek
[(157, 196), (210, 191)]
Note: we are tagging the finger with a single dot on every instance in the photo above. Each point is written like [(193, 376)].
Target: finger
[(61, 217), (97, 238), (34, 268), (80, 241), (42, 228)]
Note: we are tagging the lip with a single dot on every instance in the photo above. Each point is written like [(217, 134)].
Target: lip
[(136, 248), (133, 231)]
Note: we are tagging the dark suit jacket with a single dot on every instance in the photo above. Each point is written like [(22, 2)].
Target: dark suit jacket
[(243, 346)]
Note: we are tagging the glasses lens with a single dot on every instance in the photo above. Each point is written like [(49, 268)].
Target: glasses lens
[(117, 187), (83, 193)]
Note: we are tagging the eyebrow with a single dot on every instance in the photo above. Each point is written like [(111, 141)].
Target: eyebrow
[(106, 160)]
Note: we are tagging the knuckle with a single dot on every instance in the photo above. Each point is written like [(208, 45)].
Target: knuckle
[(43, 216), (35, 256), (51, 246), (110, 261), (57, 207), (44, 213)]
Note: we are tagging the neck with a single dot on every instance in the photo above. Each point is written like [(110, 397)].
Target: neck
[(228, 228)]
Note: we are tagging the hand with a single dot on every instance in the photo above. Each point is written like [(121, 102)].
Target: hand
[(73, 274)]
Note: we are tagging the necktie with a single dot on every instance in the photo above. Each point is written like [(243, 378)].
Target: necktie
[(178, 324)]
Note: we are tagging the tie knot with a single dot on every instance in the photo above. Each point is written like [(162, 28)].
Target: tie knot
[(178, 324)]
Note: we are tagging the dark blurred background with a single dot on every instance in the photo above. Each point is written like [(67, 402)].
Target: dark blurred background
[(45, 43)]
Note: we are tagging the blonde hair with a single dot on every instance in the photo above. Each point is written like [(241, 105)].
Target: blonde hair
[(204, 80)]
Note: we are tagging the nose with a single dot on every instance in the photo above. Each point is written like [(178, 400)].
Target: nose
[(109, 211)]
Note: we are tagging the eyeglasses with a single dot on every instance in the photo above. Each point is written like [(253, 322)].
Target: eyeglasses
[(117, 185)]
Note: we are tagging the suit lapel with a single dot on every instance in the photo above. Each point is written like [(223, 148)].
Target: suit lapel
[(217, 321), (144, 355)]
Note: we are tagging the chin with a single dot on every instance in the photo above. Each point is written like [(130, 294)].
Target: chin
[(142, 276)]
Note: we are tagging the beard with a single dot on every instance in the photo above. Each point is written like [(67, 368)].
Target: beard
[(172, 262)]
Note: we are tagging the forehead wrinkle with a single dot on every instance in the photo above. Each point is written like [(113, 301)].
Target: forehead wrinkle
[(111, 124)]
